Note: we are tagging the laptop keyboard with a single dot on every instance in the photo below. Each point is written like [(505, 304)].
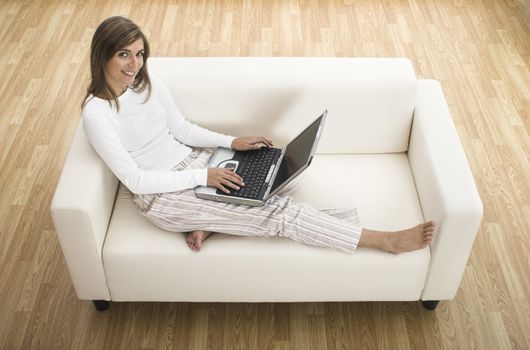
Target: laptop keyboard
[(253, 167)]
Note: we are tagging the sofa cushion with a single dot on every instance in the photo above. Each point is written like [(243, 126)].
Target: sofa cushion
[(370, 100), (144, 263)]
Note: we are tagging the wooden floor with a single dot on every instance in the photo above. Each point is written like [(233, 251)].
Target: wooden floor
[(479, 50)]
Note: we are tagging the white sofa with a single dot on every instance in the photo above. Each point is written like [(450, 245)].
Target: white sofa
[(389, 148)]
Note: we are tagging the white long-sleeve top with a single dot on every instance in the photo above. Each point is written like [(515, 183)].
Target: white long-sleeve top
[(144, 140)]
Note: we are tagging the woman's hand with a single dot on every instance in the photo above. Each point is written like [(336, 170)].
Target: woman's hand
[(226, 179), (223, 178), (249, 143)]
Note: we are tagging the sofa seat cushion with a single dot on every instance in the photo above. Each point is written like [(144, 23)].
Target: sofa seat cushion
[(145, 263)]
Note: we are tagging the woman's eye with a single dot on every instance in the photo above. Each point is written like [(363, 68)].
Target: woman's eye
[(122, 54), (140, 54)]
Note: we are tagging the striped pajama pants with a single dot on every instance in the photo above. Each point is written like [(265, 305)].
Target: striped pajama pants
[(183, 211)]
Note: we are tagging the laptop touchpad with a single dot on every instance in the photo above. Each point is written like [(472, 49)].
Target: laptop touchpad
[(231, 165)]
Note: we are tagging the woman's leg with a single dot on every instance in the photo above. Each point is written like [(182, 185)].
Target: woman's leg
[(414, 238), (337, 228), (184, 212)]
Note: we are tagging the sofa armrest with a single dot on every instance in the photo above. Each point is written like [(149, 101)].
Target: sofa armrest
[(446, 190), (81, 209)]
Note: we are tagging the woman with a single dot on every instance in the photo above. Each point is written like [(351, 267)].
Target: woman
[(133, 123)]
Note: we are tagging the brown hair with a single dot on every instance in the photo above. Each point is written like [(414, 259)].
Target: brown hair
[(113, 34)]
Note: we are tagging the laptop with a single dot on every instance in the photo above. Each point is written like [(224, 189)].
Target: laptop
[(265, 171)]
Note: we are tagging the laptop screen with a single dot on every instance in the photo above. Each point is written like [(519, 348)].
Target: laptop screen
[(297, 154)]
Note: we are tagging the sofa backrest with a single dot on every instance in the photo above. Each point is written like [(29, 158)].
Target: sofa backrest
[(370, 101)]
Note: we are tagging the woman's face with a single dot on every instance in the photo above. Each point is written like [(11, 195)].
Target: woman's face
[(124, 65)]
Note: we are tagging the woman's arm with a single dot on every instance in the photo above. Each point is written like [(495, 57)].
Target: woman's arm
[(105, 140)]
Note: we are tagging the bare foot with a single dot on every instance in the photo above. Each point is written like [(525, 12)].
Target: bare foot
[(414, 238), (195, 239)]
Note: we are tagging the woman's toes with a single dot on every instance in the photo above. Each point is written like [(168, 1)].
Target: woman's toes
[(196, 238), (190, 241)]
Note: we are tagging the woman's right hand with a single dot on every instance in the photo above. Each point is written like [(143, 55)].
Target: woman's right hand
[(222, 178)]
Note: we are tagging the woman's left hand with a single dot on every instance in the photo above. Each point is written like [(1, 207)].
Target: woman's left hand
[(249, 143)]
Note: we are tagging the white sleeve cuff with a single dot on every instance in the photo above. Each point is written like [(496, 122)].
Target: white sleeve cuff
[(229, 140), (201, 177)]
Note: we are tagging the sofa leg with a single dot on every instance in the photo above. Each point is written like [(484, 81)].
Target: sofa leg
[(430, 304), (101, 305)]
